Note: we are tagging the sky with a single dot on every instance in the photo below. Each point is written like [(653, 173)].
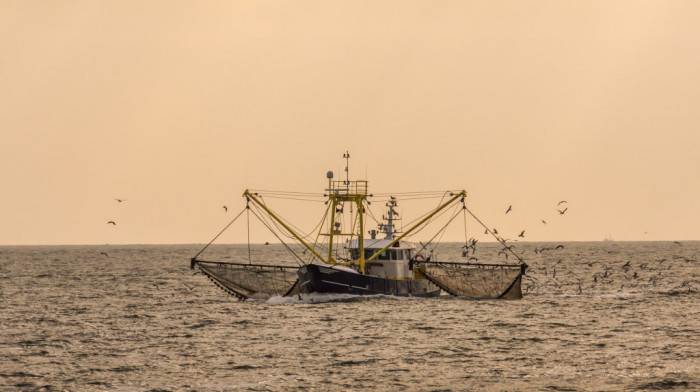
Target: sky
[(179, 106)]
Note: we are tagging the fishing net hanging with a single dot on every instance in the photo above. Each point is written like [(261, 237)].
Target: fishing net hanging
[(252, 280), (475, 280)]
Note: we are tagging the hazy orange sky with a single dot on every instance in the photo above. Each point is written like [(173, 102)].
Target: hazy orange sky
[(178, 107)]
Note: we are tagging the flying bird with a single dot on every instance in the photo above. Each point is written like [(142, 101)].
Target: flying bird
[(509, 208), (522, 234), (562, 212), (544, 221), (225, 209), (120, 200), (104, 254), (112, 222), (563, 201), (559, 247)]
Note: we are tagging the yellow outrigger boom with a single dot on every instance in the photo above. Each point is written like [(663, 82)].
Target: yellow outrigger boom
[(462, 194), (250, 196)]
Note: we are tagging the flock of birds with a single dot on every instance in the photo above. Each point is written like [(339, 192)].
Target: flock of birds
[(469, 249), (546, 272), (522, 233), (614, 269)]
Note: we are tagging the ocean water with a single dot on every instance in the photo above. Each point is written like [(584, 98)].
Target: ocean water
[(598, 316)]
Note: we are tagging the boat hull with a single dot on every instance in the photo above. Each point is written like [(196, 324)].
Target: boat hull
[(314, 278)]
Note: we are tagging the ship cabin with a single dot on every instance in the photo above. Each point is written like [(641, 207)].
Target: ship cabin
[(393, 263)]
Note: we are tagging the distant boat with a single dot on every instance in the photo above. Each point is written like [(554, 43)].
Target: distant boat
[(608, 238)]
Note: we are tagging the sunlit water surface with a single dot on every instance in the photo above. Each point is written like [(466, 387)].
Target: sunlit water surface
[(139, 320)]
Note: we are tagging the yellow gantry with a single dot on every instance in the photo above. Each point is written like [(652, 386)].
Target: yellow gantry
[(347, 191)]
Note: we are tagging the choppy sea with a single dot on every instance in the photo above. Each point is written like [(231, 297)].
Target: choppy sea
[(596, 316)]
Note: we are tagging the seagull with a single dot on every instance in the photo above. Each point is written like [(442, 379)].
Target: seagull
[(104, 253), (559, 247), (522, 234), (563, 201), (544, 221), (120, 200), (225, 209), (509, 208), (267, 243), (676, 242), (112, 222), (562, 212)]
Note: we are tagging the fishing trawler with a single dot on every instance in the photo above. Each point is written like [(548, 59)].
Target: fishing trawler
[(340, 260)]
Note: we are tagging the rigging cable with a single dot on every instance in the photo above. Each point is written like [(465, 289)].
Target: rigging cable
[(299, 231), (442, 230), (466, 237), (441, 213), (429, 212), (269, 223), (217, 236), (299, 261), (247, 207), (499, 239)]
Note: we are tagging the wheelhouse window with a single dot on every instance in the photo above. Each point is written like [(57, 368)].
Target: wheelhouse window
[(389, 254), (384, 255)]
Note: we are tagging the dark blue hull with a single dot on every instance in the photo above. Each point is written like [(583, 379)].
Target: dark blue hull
[(315, 278)]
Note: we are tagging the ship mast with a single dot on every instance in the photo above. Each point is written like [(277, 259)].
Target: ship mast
[(339, 192), (388, 227)]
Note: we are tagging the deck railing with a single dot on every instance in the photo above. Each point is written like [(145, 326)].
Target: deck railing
[(344, 188)]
